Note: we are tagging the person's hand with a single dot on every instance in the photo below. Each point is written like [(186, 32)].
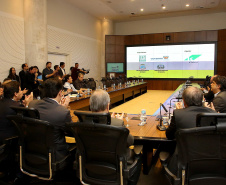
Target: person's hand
[(69, 90), (28, 99), (208, 88), (179, 105), (113, 114), (211, 106), (65, 101), (36, 75), (25, 91), (121, 117)]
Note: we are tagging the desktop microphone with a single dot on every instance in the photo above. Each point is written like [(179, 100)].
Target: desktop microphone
[(160, 126)]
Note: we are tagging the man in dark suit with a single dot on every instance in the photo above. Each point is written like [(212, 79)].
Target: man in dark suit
[(48, 72), (12, 95), (31, 80), (52, 108), (79, 84), (22, 75), (62, 72), (218, 87), (185, 118)]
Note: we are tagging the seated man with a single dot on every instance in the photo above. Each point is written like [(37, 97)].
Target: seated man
[(79, 84), (186, 117), (218, 87), (12, 96), (53, 108), (99, 102)]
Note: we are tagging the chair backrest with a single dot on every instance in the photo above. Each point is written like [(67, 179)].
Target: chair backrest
[(88, 116), (100, 148), (91, 84), (37, 148), (202, 154), (210, 119), (27, 112)]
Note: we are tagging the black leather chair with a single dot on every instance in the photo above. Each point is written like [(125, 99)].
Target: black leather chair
[(102, 153), (37, 148), (27, 112), (208, 119), (88, 116), (201, 156), (91, 84)]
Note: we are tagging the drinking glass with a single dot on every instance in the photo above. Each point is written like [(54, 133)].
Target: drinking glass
[(127, 119)]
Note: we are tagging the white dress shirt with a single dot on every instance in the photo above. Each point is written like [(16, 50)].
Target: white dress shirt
[(67, 85), (63, 71)]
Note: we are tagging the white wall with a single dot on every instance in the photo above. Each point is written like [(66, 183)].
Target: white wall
[(172, 24), (69, 31)]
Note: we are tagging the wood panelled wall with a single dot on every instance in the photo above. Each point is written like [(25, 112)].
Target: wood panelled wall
[(115, 50)]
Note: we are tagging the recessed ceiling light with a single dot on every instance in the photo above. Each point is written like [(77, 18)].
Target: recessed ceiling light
[(187, 5), (163, 6), (141, 9)]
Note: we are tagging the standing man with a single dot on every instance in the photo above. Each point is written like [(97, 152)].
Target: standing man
[(31, 80), (22, 75), (75, 71), (218, 87), (62, 72), (48, 72)]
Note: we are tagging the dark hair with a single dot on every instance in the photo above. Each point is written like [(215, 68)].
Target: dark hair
[(62, 63), (11, 76), (66, 78), (48, 63), (23, 65), (71, 68), (30, 68), (38, 70), (55, 67), (52, 87), (10, 89), (192, 96), (76, 63), (220, 80)]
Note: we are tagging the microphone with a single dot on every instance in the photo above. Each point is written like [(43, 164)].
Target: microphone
[(160, 126)]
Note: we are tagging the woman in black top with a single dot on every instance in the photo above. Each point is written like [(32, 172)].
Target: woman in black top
[(12, 74)]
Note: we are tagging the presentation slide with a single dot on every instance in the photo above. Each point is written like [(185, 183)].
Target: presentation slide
[(170, 61), (115, 67)]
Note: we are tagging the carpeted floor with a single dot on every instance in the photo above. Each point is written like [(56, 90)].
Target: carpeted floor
[(149, 101)]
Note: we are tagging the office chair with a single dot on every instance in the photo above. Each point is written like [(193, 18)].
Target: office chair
[(37, 148), (27, 112), (91, 84), (208, 119), (102, 154), (201, 155), (94, 117)]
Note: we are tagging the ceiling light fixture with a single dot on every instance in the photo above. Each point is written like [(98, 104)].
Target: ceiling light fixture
[(163, 6), (141, 9), (187, 5)]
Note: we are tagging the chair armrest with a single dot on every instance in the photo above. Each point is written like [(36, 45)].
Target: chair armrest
[(131, 169)]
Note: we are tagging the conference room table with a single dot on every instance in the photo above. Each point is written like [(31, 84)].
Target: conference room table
[(152, 139), (118, 94)]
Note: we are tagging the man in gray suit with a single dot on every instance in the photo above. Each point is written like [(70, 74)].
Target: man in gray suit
[(100, 102), (218, 87), (53, 109)]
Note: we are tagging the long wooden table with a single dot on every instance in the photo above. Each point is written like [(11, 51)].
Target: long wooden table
[(118, 94), (148, 135)]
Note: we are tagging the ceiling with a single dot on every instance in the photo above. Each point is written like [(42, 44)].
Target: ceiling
[(129, 10)]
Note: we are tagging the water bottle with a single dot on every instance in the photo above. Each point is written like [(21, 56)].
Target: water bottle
[(142, 80), (104, 87), (138, 81), (88, 91), (143, 117), (77, 96), (113, 86)]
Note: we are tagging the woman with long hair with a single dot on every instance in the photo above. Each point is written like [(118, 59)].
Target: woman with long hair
[(12, 74)]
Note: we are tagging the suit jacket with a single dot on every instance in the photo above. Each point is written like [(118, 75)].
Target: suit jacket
[(184, 118), (60, 72), (7, 128), (22, 75), (57, 115), (79, 84), (219, 102)]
